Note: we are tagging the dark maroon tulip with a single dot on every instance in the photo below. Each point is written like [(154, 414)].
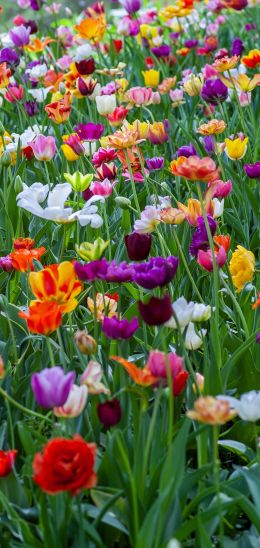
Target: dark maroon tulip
[(86, 67), (109, 412), (156, 311), (138, 246), (252, 170)]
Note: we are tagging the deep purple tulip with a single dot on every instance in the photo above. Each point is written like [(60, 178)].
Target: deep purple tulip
[(119, 329), (200, 237), (237, 46), (87, 66), (118, 272), (109, 412), (214, 91), (250, 26), (209, 144), (138, 246), (10, 57), (91, 271), (156, 311), (161, 51), (131, 6), (187, 150), (192, 43), (6, 264), (257, 339), (51, 387), (32, 25), (20, 36), (252, 170), (31, 107), (157, 272), (36, 4), (155, 163), (89, 131)]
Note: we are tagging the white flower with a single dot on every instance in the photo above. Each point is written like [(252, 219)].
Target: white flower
[(24, 138), (192, 339), (37, 72), (218, 207), (82, 53), (164, 201), (39, 94), (105, 104), (248, 407), (150, 218), (75, 403), (201, 312), (31, 198), (183, 311)]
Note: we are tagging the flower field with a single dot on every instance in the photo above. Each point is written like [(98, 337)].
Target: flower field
[(129, 274)]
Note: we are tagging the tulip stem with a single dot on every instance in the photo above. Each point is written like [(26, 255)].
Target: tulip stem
[(185, 264), (215, 431), (51, 355), (22, 408)]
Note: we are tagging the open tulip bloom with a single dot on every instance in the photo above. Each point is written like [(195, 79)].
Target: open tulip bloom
[(130, 274)]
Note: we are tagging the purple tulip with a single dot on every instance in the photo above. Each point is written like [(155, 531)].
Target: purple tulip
[(237, 46), (138, 246), (131, 6), (252, 170), (51, 387), (156, 311), (192, 43), (36, 4), (119, 329), (20, 36), (10, 57), (200, 237), (31, 25), (89, 131), (121, 272), (91, 271), (31, 107), (209, 144), (157, 272), (250, 26), (155, 163), (214, 91), (6, 263), (161, 51), (257, 339), (187, 150)]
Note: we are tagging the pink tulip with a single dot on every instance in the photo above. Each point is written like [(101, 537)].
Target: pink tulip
[(75, 403), (140, 96), (44, 148), (221, 189), (204, 258), (102, 188), (14, 93)]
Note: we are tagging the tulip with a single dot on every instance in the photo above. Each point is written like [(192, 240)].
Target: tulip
[(51, 387), (119, 329), (85, 343), (242, 267), (187, 151), (214, 91), (205, 260), (140, 96), (109, 412), (155, 163), (20, 36), (106, 104), (7, 459), (92, 377), (252, 170), (156, 311), (157, 272), (236, 148), (14, 93), (90, 131), (78, 181), (59, 111), (193, 340), (138, 246), (150, 218), (193, 85), (151, 77), (90, 252), (247, 407), (75, 403), (44, 148), (212, 411)]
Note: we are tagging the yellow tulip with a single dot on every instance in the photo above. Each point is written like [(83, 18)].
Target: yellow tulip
[(242, 267), (151, 77), (235, 149)]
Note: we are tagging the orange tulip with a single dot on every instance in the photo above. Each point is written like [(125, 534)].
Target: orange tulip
[(195, 168), (22, 259), (23, 243), (225, 63), (42, 318), (124, 138), (92, 29), (5, 74), (139, 376), (36, 45), (193, 210), (57, 282), (252, 60), (222, 241), (213, 127), (59, 111), (257, 302)]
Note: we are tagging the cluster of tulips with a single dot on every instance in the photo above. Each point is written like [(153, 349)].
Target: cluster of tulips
[(129, 274)]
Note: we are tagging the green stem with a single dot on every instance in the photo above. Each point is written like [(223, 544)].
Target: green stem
[(22, 408)]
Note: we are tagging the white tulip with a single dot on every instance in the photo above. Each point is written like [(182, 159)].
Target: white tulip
[(193, 340), (105, 104), (201, 312), (248, 407)]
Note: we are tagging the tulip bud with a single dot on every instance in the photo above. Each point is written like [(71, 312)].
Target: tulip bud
[(2, 129), (78, 181), (6, 159), (18, 184), (138, 246), (85, 343), (123, 202)]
